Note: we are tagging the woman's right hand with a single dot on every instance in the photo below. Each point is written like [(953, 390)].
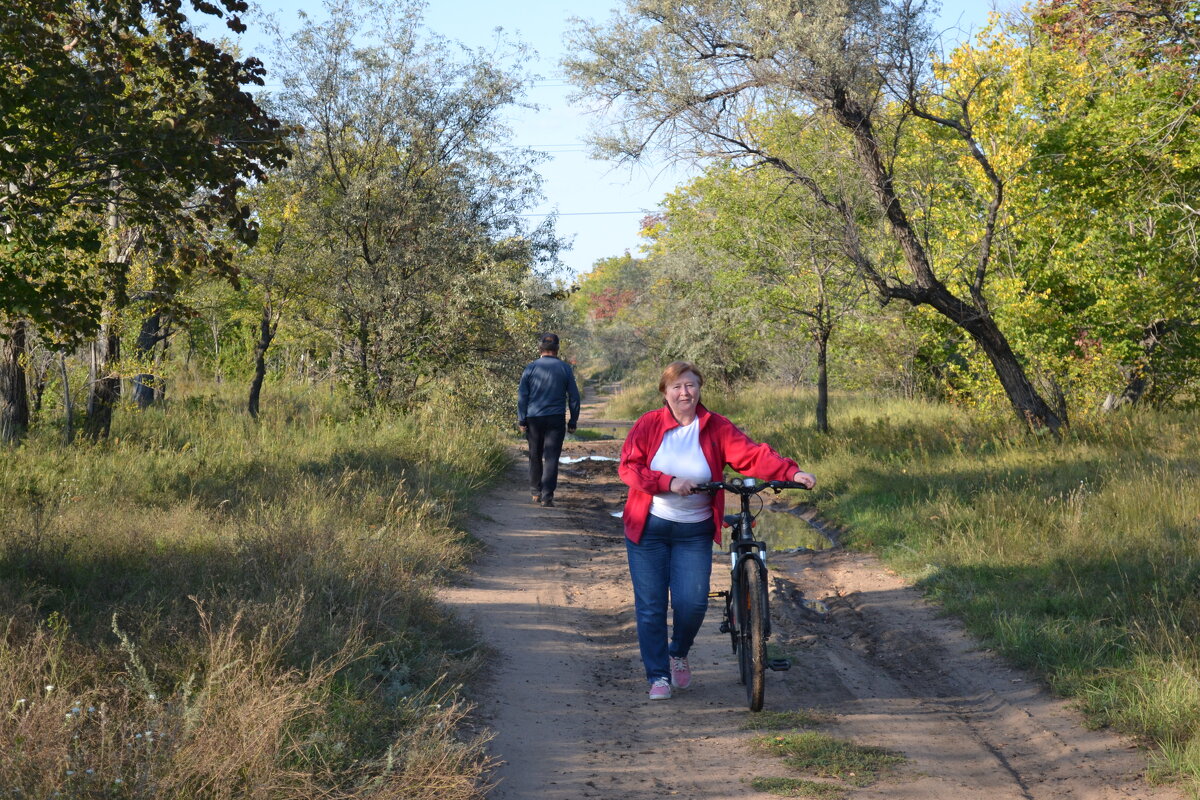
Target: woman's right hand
[(683, 486)]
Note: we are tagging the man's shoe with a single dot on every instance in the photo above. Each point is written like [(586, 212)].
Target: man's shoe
[(660, 689), (537, 498), (548, 502), (681, 674)]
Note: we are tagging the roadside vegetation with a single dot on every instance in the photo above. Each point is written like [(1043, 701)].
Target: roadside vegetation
[(1078, 559), (205, 606), (842, 764)]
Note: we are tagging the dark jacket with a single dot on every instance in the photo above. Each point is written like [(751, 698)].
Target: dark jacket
[(545, 389)]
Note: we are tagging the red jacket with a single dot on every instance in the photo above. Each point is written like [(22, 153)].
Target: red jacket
[(722, 442)]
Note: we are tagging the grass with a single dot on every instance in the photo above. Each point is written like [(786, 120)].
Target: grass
[(783, 720), (828, 757), (204, 606), (798, 787), (589, 435), (1078, 559)]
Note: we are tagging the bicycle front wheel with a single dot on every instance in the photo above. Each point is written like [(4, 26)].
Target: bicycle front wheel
[(752, 633)]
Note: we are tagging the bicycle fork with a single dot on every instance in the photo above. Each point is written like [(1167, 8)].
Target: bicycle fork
[(732, 622)]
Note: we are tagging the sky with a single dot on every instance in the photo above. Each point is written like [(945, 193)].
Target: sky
[(600, 204)]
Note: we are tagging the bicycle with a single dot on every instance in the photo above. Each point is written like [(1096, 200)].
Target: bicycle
[(747, 617)]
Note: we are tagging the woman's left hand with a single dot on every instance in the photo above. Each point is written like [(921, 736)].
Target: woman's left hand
[(803, 477)]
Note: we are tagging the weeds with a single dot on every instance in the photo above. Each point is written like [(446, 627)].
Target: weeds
[(798, 787), (783, 720), (827, 757), (233, 609)]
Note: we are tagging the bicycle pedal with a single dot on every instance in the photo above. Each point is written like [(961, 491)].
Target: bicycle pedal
[(718, 594), (779, 665), (724, 627)]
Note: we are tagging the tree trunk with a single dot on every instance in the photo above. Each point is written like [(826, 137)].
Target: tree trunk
[(1024, 398), (266, 332), (14, 401), (146, 385), (973, 317), (68, 406), (1137, 375), (104, 389), (160, 386), (823, 382), (214, 324), (104, 385)]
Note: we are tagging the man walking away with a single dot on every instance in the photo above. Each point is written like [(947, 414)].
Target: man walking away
[(547, 388)]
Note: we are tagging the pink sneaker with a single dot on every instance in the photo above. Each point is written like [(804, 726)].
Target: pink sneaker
[(681, 673), (660, 689)]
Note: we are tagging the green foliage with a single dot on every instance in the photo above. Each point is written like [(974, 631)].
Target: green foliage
[(1098, 289), (119, 108), (399, 223)]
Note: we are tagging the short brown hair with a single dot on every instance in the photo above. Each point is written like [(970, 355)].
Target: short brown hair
[(674, 370)]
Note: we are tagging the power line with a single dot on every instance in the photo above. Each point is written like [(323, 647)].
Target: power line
[(583, 213)]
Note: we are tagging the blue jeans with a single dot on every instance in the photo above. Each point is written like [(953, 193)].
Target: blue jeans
[(672, 558)]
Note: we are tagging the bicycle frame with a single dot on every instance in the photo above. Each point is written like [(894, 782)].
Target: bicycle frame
[(747, 617), (742, 546)]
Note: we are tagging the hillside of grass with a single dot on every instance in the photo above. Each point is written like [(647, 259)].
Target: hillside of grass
[(1078, 559), (204, 606)]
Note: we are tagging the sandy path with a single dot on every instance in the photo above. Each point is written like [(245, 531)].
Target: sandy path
[(567, 700)]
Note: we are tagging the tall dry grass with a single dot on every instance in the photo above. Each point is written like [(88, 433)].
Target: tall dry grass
[(205, 607)]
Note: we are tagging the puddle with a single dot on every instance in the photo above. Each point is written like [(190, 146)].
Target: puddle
[(569, 460), (783, 531)]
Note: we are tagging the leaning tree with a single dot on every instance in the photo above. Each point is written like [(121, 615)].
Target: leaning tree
[(693, 77)]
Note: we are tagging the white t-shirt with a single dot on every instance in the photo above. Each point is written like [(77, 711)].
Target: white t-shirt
[(680, 456)]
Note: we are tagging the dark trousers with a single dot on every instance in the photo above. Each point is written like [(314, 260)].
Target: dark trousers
[(545, 436)]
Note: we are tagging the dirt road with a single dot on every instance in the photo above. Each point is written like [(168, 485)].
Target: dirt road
[(567, 698)]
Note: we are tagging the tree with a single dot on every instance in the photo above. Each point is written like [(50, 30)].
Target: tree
[(608, 300), (766, 248), (1097, 255), (408, 202), (119, 126), (689, 77)]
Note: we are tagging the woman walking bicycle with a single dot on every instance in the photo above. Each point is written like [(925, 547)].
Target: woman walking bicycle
[(669, 529)]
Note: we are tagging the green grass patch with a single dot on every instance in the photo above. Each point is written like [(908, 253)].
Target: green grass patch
[(798, 787), (828, 757), (589, 435), (784, 720), (220, 604)]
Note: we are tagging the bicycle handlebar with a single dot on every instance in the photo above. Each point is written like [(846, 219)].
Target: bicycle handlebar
[(739, 486)]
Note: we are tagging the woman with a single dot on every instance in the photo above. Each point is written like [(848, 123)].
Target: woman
[(669, 531)]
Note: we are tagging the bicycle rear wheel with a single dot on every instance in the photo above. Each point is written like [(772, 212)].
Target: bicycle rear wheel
[(752, 638)]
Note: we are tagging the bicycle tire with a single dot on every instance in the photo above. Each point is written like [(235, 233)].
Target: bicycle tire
[(752, 647)]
